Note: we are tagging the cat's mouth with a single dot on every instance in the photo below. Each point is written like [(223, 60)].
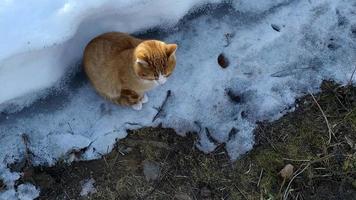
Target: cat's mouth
[(161, 80)]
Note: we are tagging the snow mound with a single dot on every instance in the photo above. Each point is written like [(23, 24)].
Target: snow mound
[(277, 50), (43, 39)]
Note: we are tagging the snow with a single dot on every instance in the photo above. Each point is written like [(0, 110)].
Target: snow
[(44, 96), (46, 39), (88, 187), (23, 192)]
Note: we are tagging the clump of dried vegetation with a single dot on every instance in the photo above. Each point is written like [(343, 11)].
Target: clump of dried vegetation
[(307, 154)]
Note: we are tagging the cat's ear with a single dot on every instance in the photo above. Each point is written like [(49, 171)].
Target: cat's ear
[(171, 49), (141, 62)]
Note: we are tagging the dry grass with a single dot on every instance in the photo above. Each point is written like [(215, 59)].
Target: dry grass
[(325, 165)]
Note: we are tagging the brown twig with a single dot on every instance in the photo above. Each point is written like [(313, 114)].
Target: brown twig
[(159, 110), (326, 119), (228, 37)]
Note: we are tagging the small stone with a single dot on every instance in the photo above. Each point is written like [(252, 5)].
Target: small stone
[(287, 171), (223, 61), (151, 170), (333, 46), (276, 27)]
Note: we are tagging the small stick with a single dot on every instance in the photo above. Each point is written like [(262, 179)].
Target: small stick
[(162, 106), (286, 192), (211, 139), (228, 37), (259, 179), (70, 127), (67, 195), (28, 152), (241, 192), (326, 119)]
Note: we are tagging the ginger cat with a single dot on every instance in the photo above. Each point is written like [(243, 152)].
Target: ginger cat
[(122, 68)]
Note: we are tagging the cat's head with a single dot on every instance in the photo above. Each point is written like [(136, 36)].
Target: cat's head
[(154, 60)]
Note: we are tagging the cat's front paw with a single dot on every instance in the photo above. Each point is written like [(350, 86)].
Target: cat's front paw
[(144, 98), (137, 106)]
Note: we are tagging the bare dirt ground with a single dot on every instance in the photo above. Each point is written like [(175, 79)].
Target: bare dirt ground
[(318, 139)]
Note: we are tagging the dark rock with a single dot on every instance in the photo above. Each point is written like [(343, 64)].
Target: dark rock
[(276, 27), (233, 96), (223, 61), (233, 132), (333, 46)]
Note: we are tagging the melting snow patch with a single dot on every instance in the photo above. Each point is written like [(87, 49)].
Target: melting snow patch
[(151, 170), (23, 192), (88, 187), (267, 71), (27, 192)]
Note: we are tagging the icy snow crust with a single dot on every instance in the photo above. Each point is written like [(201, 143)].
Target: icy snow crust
[(268, 70)]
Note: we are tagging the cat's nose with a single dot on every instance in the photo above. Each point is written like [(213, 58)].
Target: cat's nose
[(161, 80)]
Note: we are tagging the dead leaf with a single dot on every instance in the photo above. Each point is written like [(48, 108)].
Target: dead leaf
[(287, 171), (350, 142)]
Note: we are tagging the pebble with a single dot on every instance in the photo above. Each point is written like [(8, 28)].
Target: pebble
[(223, 61)]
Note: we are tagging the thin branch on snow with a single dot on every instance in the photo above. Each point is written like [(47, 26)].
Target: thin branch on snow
[(159, 110)]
